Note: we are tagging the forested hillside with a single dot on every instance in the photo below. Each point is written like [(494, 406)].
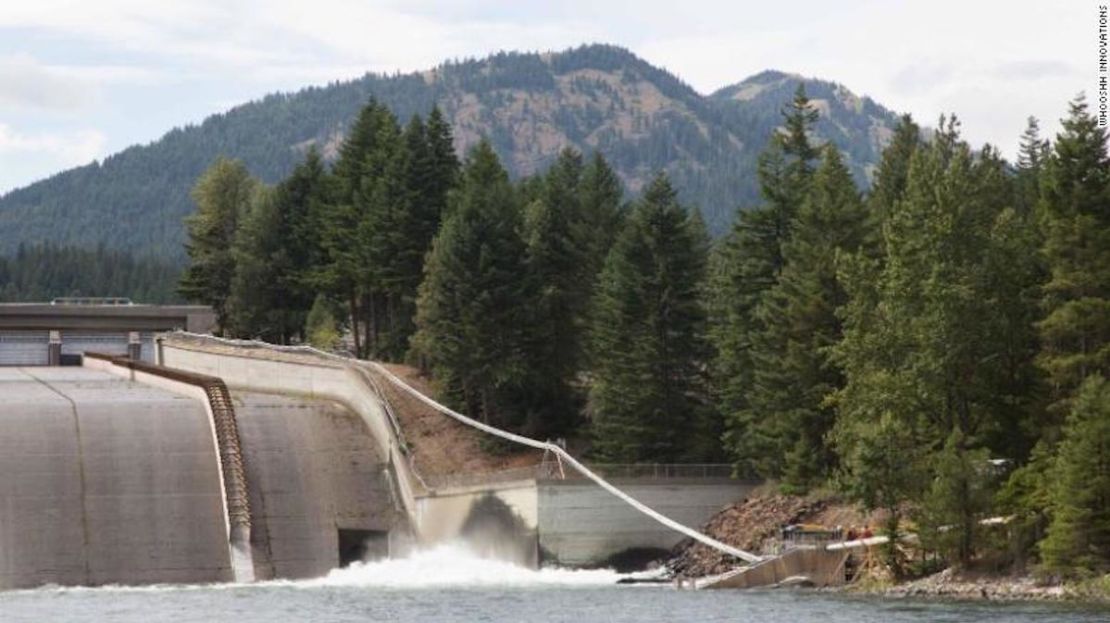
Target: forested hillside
[(41, 273), (529, 107)]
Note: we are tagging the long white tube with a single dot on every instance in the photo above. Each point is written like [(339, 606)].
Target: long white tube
[(527, 441)]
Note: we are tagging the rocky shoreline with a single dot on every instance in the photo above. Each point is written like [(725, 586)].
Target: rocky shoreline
[(955, 585)]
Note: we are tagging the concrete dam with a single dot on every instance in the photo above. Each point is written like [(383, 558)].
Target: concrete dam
[(235, 463)]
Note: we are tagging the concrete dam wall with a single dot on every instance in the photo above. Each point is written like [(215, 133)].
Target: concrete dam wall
[(105, 481), (109, 480)]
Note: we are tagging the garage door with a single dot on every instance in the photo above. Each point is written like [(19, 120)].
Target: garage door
[(147, 353), (24, 348), (104, 343)]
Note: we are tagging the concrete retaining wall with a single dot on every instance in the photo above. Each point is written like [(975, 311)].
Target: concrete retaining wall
[(104, 481), (820, 567), (573, 522), (582, 524), (498, 521)]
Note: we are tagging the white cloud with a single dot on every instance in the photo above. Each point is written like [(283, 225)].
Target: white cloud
[(992, 62), (25, 157)]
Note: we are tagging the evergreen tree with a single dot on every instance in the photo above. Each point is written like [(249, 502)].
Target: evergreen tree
[(960, 494), (557, 263), (648, 348), (222, 197), (1075, 332), (475, 302), (602, 212), (889, 186), (344, 272), (1032, 155), (748, 266), (1078, 541), (276, 246), (930, 329), (792, 373), (256, 305), (321, 328)]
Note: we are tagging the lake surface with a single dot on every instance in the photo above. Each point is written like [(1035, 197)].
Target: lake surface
[(447, 584)]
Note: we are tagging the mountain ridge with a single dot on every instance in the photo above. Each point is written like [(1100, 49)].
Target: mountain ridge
[(530, 105)]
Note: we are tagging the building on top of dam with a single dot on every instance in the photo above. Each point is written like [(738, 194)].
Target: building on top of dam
[(57, 333)]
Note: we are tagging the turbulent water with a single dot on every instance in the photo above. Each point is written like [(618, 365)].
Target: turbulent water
[(450, 584)]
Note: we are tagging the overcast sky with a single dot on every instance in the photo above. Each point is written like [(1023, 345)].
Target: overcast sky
[(81, 79)]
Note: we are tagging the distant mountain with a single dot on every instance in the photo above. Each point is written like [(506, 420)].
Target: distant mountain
[(529, 105)]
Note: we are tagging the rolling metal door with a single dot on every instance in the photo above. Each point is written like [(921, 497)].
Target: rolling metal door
[(147, 354), (104, 343), (24, 348)]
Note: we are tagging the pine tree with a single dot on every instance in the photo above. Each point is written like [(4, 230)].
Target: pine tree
[(1032, 155), (1075, 332), (345, 271), (959, 495), (257, 303), (276, 247), (602, 211), (932, 330), (222, 195), (889, 186), (647, 343), (1078, 540), (557, 262), (474, 310), (746, 267), (792, 371)]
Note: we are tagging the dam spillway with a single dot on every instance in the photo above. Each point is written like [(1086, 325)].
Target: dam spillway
[(106, 480), (103, 480)]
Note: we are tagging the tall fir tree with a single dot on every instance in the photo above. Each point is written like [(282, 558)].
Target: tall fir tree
[(344, 271), (1032, 155), (648, 347), (889, 186), (926, 347), (1078, 539), (557, 260), (223, 195), (792, 373), (746, 267), (602, 209), (475, 306), (1075, 332)]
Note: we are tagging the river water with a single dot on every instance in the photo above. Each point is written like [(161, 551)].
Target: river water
[(449, 584)]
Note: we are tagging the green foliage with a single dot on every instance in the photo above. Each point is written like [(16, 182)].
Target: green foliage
[(747, 269), (649, 396), (1075, 331), (223, 196), (476, 301), (960, 495), (321, 328), (44, 272), (792, 373), (1078, 540)]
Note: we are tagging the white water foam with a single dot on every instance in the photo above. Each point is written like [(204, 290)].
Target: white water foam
[(443, 566), (458, 566)]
